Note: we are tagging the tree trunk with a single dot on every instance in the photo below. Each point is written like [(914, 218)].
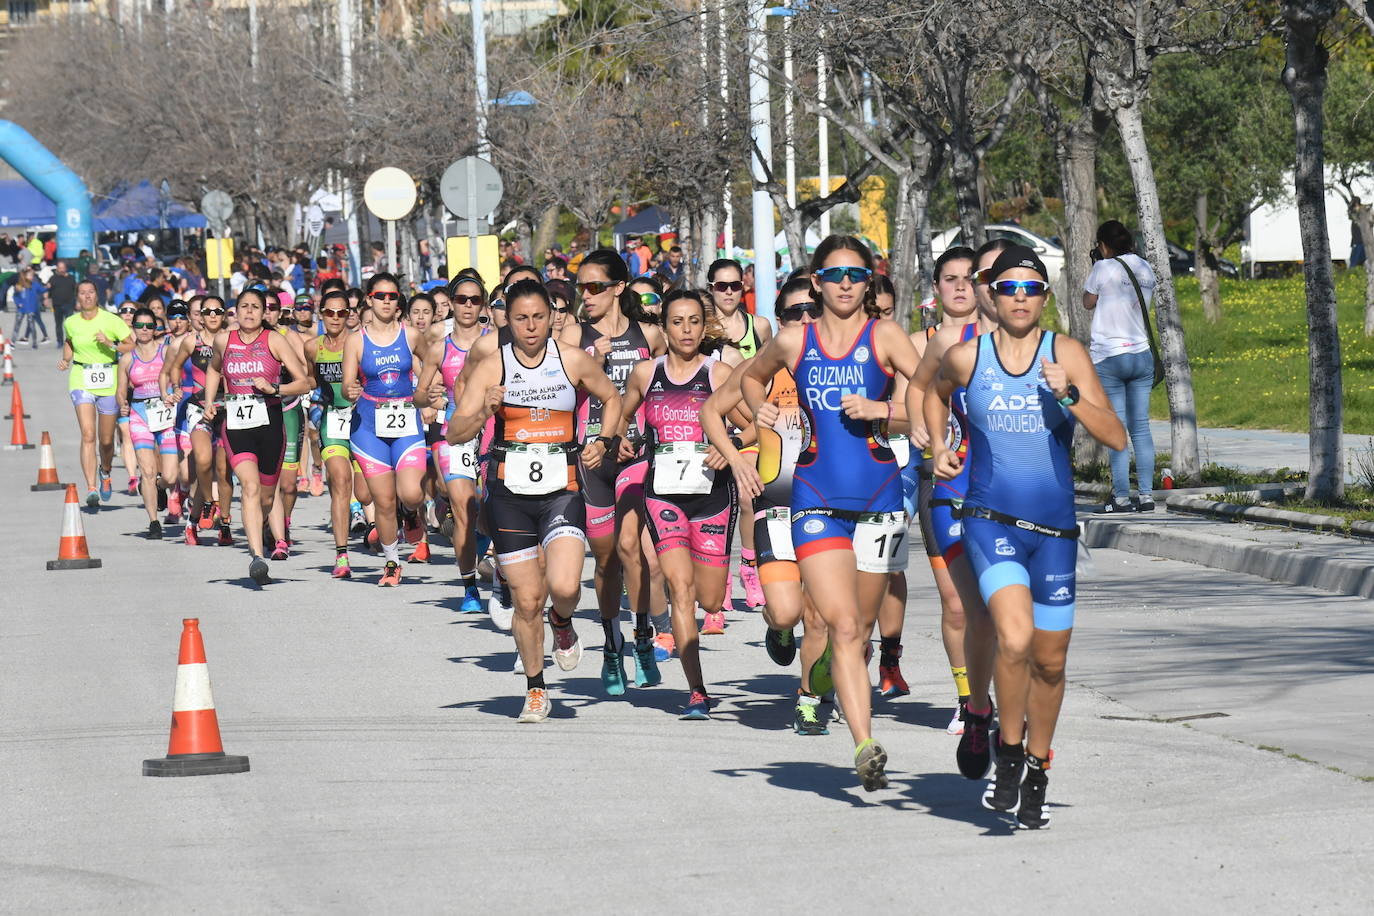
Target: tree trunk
[(546, 233), (1304, 76), (925, 258), (963, 172), (1178, 376), (1364, 217), (902, 265), (1203, 260), (705, 251)]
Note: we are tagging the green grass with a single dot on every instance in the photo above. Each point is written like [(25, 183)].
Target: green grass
[(1213, 475), (1250, 369)]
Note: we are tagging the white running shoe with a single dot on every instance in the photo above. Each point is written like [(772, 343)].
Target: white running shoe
[(567, 648), (500, 613), (956, 725), (519, 664), (537, 705)]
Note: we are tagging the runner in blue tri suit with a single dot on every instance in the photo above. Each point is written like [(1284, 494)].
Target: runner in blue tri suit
[(1025, 389), (848, 526)]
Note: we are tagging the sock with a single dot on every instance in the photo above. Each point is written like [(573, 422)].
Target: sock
[(611, 627), (642, 624), (890, 650), (469, 579), (392, 551), (980, 712), (807, 699), (1038, 763), (354, 506), (662, 623), (960, 680), (746, 556), (555, 618), (341, 550), (537, 681)]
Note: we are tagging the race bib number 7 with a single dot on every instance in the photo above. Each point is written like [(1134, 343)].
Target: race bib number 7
[(680, 469), (338, 423), (98, 376)]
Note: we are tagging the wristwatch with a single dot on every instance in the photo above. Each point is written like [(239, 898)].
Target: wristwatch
[(276, 388), (609, 442), (1070, 397)]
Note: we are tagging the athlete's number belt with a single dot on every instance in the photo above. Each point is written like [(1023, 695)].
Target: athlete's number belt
[(1002, 518), (534, 470), (157, 414)]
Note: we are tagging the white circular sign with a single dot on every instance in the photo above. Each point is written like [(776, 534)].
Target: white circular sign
[(217, 206), (389, 193), (485, 186), (314, 219)]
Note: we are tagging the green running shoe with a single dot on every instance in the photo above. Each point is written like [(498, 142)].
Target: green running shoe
[(808, 720), (869, 762), (646, 662), (781, 646), (613, 669)]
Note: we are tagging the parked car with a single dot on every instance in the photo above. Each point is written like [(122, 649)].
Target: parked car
[(1049, 252), (1183, 261)]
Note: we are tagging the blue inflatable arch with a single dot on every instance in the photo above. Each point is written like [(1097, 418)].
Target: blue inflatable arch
[(61, 185)]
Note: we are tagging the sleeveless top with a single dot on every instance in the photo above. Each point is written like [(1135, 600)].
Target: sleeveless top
[(143, 374), (672, 410), (780, 446), (455, 358), (329, 374), (386, 368), (540, 404), (196, 364), (244, 362), (626, 350), (1020, 440), (750, 342), (848, 465)]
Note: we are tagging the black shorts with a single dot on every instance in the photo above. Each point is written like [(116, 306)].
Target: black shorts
[(263, 445), (598, 495), (520, 525)]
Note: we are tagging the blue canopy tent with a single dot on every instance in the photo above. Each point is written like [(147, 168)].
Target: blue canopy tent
[(140, 207), (23, 205), (650, 221)]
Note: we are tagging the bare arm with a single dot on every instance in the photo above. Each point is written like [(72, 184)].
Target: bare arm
[(480, 399), (425, 394), (1090, 301), (586, 374), (779, 352), (955, 370), (122, 384), (289, 354), (352, 367), (1073, 367)]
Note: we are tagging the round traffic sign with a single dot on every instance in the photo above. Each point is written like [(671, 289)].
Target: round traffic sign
[(217, 206), (314, 219), (471, 179), (389, 193)]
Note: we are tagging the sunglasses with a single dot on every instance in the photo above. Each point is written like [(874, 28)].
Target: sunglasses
[(305, 308), (334, 313), (274, 307), (483, 319), (127, 311), (562, 309), (648, 299), (982, 276), (798, 313), (840, 274), (143, 326), (466, 300), (732, 286), (593, 287), (1012, 287), (385, 296), (212, 311)]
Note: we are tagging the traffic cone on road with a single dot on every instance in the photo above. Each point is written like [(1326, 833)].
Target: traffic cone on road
[(72, 552), (19, 438), (194, 748), (9, 366), (16, 404), (47, 466)]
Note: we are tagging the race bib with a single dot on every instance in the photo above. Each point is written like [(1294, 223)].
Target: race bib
[(396, 419), (462, 460), (901, 449), (338, 422), (194, 414), (680, 469), (159, 415), (98, 376), (880, 542), (244, 411), (535, 470), (779, 522)]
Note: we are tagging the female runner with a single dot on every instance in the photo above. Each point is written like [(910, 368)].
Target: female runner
[(152, 421), (93, 341)]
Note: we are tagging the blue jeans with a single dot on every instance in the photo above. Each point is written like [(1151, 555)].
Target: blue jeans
[(1127, 379)]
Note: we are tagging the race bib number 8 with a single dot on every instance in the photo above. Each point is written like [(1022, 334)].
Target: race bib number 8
[(338, 423), (95, 377), (160, 416), (245, 412), (462, 460), (880, 542), (680, 469), (535, 470), (396, 419)]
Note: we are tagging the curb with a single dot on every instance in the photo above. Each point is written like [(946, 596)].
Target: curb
[(1262, 490), (1297, 564), (1265, 515)]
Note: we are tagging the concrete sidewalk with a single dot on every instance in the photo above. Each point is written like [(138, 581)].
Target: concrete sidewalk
[(1259, 449)]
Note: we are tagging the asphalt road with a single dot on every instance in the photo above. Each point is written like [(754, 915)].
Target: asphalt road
[(388, 771)]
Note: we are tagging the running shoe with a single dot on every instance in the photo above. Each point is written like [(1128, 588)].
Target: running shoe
[(1145, 503), (258, 570), (1004, 791), (974, 754), (357, 519), (391, 574), (698, 706), (154, 530), (316, 484), (821, 680), (537, 706), (1032, 813), (499, 607), (646, 661), (1115, 505), (373, 541), (92, 498), (281, 551), (206, 520), (807, 720), (781, 646), (613, 668), (753, 591), (132, 489), (956, 725), (226, 537), (106, 486), (218, 516), (341, 568), (420, 554), (189, 534), (414, 529), (472, 601), (447, 525), (302, 484), (891, 683), (713, 624), (567, 648), (870, 760), (664, 647), (519, 667), (173, 507)]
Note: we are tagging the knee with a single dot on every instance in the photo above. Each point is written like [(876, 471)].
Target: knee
[(529, 606), (1048, 670), (565, 592), (1013, 648)]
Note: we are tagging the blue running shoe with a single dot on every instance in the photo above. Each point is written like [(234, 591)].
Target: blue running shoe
[(698, 706), (472, 602), (106, 486), (646, 661), (613, 668)]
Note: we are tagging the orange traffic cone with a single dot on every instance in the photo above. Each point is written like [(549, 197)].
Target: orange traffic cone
[(194, 748), (19, 438), (47, 466), (16, 404), (71, 551), (9, 367)]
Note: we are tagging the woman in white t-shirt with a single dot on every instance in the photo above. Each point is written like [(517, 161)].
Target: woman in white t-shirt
[(1120, 349)]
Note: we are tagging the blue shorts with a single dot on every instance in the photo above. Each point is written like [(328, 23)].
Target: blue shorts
[(164, 442), (911, 484), (1003, 555), (877, 538), (105, 404), (376, 455)]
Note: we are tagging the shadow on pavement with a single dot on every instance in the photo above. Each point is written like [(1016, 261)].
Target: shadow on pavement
[(820, 779)]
